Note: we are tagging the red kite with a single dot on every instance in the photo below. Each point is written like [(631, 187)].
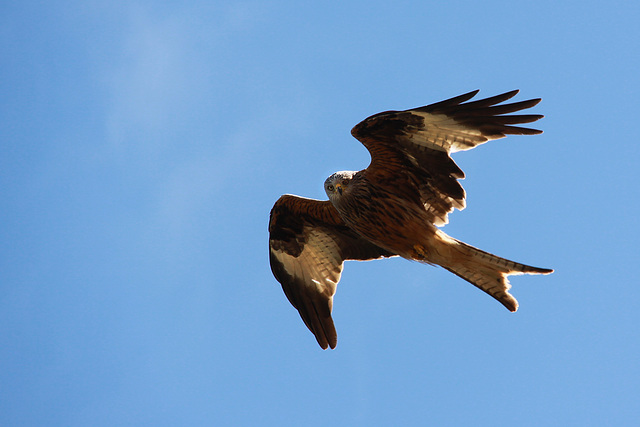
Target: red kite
[(394, 206)]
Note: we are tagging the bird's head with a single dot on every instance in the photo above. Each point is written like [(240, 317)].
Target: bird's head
[(338, 184)]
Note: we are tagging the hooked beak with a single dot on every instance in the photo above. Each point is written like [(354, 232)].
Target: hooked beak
[(339, 189)]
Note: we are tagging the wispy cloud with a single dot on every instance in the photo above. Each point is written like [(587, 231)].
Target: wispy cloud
[(151, 80), (168, 70)]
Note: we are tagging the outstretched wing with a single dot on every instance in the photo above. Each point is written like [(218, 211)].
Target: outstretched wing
[(419, 142), (308, 243)]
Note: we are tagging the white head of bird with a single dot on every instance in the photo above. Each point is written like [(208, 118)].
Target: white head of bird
[(338, 183)]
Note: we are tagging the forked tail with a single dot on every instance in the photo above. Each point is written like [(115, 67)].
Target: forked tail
[(482, 269)]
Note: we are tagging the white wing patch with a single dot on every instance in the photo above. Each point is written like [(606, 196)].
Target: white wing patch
[(441, 132), (319, 265)]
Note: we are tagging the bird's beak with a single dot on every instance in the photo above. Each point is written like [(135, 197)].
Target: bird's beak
[(339, 189)]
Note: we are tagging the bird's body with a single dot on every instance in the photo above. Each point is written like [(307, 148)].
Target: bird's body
[(394, 207), (391, 222)]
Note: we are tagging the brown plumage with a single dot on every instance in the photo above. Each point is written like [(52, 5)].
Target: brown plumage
[(394, 206)]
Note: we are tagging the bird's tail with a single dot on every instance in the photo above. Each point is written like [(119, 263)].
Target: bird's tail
[(482, 269)]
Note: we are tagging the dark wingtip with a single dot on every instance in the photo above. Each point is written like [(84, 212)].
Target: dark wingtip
[(326, 342), (517, 130), (456, 100)]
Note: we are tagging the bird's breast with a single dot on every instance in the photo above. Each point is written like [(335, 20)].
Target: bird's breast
[(384, 218)]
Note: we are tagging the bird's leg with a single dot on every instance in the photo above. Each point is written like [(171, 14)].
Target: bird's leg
[(419, 253)]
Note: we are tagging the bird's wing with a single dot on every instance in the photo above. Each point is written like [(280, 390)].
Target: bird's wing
[(308, 242), (419, 142)]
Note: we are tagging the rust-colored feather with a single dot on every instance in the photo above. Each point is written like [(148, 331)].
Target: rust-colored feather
[(395, 206)]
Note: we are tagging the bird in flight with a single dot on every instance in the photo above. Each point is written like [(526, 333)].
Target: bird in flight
[(395, 206)]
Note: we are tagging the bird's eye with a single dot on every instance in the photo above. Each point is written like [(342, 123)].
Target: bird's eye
[(330, 187), (345, 181)]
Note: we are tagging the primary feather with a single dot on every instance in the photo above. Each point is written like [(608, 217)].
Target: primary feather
[(394, 206)]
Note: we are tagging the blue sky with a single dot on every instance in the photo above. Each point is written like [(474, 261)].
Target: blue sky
[(144, 143)]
